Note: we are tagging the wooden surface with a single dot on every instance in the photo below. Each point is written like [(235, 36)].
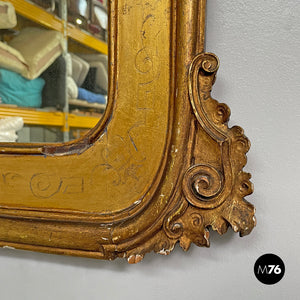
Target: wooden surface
[(159, 168)]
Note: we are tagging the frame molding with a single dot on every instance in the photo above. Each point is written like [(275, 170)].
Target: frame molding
[(123, 199)]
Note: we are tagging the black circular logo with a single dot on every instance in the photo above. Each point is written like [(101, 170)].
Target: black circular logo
[(269, 269)]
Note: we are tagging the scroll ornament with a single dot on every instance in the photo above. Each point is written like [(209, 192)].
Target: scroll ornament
[(212, 194)]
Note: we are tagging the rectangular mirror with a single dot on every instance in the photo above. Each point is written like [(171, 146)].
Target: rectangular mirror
[(161, 167)]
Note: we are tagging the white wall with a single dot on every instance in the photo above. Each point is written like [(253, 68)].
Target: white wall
[(258, 44)]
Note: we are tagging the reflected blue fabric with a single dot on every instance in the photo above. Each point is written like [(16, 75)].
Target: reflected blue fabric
[(15, 89), (90, 97)]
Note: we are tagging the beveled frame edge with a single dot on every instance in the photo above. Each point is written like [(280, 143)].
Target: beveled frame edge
[(203, 195)]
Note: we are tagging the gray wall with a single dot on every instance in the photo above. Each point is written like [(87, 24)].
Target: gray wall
[(258, 44)]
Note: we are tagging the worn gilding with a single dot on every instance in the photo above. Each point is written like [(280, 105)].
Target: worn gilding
[(160, 168)]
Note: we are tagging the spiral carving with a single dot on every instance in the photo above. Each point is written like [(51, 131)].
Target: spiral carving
[(201, 184), (172, 227), (210, 63)]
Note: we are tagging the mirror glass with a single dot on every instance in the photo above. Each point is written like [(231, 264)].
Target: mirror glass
[(53, 69)]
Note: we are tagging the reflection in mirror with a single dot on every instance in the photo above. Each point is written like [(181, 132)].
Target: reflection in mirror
[(53, 69)]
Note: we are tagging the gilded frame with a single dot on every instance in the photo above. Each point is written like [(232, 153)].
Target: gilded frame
[(161, 167)]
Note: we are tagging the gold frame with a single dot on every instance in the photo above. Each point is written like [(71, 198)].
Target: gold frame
[(160, 167)]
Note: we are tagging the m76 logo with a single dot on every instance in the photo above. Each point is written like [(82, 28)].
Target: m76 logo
[(269, 269)]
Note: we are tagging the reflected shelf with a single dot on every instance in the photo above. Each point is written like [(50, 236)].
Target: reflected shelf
[(33, 116), (42, 17)]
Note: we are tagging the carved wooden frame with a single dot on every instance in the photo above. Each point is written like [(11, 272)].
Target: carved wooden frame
[(161, 167)]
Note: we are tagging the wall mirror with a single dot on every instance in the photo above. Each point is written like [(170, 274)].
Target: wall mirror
[(161, 167)]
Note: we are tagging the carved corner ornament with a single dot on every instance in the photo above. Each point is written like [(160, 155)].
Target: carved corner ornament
[(160, 168)]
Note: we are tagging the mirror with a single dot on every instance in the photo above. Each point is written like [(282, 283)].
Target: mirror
[(53, 69), (161, 167)]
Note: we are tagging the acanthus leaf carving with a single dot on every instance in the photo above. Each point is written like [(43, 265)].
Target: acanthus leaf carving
[(212, 196), (229, 184)]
